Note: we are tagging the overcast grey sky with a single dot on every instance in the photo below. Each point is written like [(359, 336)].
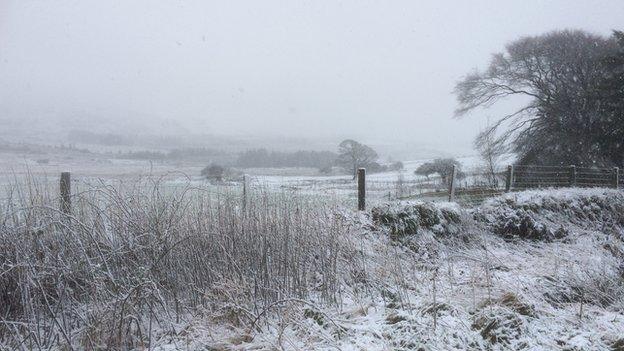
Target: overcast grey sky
[(369, 69)]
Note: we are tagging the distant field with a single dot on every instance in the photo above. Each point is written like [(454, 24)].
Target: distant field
[(93, 169), (88, 169)]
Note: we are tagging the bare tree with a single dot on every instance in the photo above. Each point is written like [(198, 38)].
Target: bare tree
[(441, 166), (214, 172), (557, 74), (353, 155), (400, 186), (491, 149)]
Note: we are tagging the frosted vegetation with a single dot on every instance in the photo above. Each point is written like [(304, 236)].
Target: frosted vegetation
[(135, 267)]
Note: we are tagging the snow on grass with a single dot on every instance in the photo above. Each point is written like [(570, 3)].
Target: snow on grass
[(477, 291)]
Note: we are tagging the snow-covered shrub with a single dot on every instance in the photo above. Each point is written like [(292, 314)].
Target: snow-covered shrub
[(520, 223), (500, 326), (511, 301), (403, 219), (539, 211), (540, 214), (597, 285)]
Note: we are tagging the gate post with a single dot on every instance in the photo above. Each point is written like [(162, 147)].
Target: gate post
[(361, 183), (245, 190), (452, 185), (65, 188)]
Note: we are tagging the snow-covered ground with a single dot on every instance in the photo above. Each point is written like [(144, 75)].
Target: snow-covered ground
[(534, 270), (458, 284), (88, 169)]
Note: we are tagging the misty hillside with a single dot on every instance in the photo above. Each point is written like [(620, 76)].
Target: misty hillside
[(53, 126)]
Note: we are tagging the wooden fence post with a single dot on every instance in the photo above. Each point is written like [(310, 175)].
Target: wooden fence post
[(361, 182), (244, 192), (616, 177), (573, 175), (65, 188), (452, 185), (509, 179)]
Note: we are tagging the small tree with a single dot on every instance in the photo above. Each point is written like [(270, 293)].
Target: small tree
[(353, 155), (400, 186), (325, 170), (441, 166), (213, 172), (490, 149), (396, 166)]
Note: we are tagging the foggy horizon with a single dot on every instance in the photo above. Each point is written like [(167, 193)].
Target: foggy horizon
[(315, 70)]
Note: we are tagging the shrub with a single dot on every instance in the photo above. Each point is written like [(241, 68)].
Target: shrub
[(214, 172), (409, 219), (441, 166), (396, 166)]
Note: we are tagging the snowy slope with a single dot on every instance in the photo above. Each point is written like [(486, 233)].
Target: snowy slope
[(454, 282)]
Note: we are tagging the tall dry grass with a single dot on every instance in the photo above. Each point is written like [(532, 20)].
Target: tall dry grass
[(133, 258)]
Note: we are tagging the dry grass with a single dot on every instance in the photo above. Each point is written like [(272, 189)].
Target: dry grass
[(133, 258), (140, 266)]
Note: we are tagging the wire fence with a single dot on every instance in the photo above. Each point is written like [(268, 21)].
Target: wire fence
[(475, 187), (571, 176), (467, 188), (24, 187)]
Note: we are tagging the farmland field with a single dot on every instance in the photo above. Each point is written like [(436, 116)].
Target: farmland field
[(89, 169), (151, 257)]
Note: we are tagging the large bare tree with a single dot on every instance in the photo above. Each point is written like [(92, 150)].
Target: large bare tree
[(558, 75), (352, 155)]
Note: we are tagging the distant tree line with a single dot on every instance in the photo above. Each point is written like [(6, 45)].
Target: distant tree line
[(260, 158), (198, 154), (573, 85), (351, 156), (186, 154), (106, 139), (142, 155)]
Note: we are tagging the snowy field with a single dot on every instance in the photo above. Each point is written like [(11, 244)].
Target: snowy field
[(140, 269), (92, 170), (459, 286), (154, 257)]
